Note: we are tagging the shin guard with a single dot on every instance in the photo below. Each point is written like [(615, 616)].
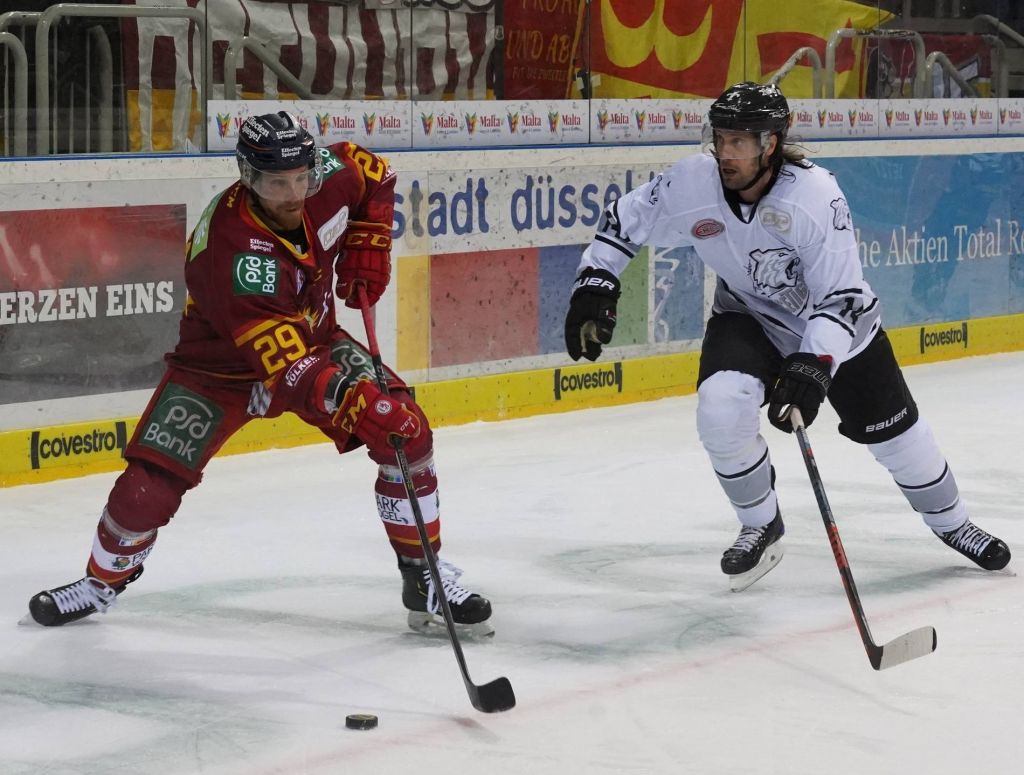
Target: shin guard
[(395, 509)]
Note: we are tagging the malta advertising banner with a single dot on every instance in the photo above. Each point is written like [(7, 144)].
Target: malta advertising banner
[(372, 124), (697, 48), (89, 298)]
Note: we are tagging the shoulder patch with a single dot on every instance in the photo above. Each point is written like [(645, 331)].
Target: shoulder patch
[(331, 162), (201, 233), (254, 275)]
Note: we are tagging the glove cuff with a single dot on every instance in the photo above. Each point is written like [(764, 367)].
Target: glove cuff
[(367, 235), (810, 368), (600, 282)]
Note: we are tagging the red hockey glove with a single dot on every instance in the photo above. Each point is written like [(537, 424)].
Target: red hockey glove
[(367, 260), (374, 417)]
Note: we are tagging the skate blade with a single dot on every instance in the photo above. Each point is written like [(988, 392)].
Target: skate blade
[(28, 620), (771, 557), (434, 626)]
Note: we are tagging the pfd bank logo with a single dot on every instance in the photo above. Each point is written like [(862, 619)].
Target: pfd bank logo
[(181, 426), (592, 380), (946, 335), (49, 449)]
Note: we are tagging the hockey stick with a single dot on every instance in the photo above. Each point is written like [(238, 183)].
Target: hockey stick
[(487, 698), (919, 642)]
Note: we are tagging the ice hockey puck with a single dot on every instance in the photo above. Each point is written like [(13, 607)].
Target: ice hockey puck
[(361, 721)]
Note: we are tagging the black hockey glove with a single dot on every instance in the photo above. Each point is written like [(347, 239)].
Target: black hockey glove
[(803, 382), (591, 318)]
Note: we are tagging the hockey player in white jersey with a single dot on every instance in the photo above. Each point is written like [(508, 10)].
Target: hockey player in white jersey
[(793, 321)]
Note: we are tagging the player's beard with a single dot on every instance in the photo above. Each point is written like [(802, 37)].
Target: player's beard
[(284, 215), (734, 181)]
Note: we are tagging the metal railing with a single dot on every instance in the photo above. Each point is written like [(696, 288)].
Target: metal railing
[(848, 32), (56, 12), (789, 64), (938, 58), (262, 53), (1001, 28), (17, 131)]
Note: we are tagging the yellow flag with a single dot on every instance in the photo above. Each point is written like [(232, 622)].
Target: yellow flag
[(697, 48)]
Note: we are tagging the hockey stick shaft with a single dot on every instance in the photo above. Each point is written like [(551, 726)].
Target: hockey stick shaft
[(910, 646), (487, 698)]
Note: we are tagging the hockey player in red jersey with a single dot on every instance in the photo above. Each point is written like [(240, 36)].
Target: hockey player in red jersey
[(793, 322), (259, 337)]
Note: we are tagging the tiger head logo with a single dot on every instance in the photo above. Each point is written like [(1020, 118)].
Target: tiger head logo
[(773, 270)]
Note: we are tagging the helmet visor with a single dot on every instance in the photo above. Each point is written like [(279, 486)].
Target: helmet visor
[(733, 144), (284, 185)]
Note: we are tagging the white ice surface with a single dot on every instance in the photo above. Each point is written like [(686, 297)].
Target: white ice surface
[(270, 610)]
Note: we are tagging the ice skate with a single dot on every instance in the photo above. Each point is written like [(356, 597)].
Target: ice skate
[(974, 543), (55, 607), (470, 611), (755, 552)]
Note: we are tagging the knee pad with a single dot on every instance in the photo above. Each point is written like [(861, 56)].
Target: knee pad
[(728, 415), (922, 474), (416, 449), (145, 497), (913, 457)]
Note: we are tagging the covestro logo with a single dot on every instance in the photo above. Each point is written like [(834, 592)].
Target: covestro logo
[(944, 335), (606, 379), (54, 447)]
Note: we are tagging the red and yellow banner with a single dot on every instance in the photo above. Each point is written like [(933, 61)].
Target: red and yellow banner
[(695, 49)]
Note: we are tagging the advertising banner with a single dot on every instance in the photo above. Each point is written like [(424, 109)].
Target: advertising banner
[(924, 118), (89, 299), (829, 119), (379, 124), (499, 122), (941, 238), (647, 121)]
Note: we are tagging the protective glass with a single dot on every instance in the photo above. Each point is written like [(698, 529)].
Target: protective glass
[(286, 186), (733, 144)]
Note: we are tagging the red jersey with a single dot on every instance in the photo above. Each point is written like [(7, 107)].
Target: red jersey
[(257, 303)]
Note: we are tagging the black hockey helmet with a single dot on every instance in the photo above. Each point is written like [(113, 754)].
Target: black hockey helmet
[(273, 142), (751, 107)]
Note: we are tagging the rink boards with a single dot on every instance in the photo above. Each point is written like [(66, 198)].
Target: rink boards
[(487, 244)]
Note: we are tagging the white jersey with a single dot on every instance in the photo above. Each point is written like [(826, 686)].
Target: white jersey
[(790, 261)]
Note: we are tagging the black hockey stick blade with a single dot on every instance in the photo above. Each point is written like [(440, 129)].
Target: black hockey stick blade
[(917, 643), (492, 697)]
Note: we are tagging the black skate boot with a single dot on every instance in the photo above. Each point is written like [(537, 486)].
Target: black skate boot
[(755, 552), (974, 543), (469, 610), (54, 607)]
